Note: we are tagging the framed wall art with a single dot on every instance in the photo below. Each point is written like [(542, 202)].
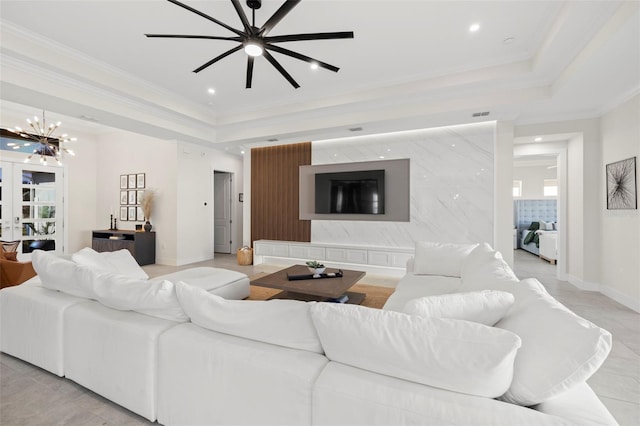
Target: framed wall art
[(123, 213), (140, 180), (132, 181), (124, 182), (622, 187), (132, 213), (123, 197), (132, 198)]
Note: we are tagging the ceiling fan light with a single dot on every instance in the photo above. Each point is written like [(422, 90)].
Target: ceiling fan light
[(253, 49)]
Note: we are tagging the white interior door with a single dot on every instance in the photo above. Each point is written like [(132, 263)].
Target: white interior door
[(222, 212), (31, 205)]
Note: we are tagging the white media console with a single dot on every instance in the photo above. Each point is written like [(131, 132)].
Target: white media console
[(384, 260)]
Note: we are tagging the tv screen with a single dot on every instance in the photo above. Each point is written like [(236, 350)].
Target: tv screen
[(360, 192)]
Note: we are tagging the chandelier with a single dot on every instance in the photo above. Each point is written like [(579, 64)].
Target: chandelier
[(46, 144)]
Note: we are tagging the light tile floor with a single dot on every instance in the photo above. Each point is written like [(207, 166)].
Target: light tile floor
[(32, 396)]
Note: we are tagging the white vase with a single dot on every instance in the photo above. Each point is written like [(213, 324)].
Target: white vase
[(316, 271)]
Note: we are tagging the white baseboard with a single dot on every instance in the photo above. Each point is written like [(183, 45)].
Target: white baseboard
[(611, 293), (623, 299), (583, 285)]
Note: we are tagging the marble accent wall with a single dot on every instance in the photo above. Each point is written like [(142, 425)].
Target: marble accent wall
[(451, 186)]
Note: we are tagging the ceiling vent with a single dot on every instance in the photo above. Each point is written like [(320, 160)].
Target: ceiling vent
[(89, 118), (272, 140), (480, 114), (355, 129)]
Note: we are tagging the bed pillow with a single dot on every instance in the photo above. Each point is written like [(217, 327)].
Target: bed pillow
[(485, 307), (63, 275), (485, 269), (279, 322), (117, 262), (155, 298), (459, 356), (440, 258), (559, 349)]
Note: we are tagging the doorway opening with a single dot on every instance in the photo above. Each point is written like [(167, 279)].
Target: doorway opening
[(222, 212)]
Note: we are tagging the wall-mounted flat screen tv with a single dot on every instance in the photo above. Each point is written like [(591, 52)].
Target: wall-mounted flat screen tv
[(357, 192)]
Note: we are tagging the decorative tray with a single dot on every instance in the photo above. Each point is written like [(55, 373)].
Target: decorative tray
[(312, 277)]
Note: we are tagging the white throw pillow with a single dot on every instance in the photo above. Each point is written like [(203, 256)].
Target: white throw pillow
[(440, 258), (118, 262), (155, 298), (559, 349), (459, 356), (484, 269), (485, 307), (62, 275), (279, 322)]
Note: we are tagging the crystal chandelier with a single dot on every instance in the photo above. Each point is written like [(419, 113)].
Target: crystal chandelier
[(47, 145)]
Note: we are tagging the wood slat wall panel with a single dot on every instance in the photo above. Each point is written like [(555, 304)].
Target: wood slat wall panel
[(274, 193)]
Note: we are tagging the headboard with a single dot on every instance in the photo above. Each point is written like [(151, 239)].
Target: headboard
[(527, 211)]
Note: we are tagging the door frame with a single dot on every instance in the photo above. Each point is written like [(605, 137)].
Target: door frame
[(63, 237), (232, 211)]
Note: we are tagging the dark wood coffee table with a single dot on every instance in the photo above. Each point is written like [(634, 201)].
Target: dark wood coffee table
[(315, 289)]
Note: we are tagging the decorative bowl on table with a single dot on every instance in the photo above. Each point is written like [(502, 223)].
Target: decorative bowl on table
[(316, 268)]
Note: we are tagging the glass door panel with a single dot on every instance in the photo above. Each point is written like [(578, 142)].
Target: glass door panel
[(31, 206)]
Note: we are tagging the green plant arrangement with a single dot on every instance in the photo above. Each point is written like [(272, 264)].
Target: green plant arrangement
[(314, 264)]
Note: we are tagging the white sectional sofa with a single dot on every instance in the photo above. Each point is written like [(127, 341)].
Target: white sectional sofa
[(216, 361)]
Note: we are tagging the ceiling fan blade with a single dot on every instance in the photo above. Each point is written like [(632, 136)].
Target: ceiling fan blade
[(193, 36), (217, 58), (301, 57), (311, 36), (243, 17), (277, 65), (249, 71), (277, 17), (205, 16)]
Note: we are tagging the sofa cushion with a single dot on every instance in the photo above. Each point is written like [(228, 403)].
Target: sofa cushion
[(440, 258), (485, 307), (118, 262), (483, 268), (279, 322), (559, 349), (63, 275), (9, 250), (155, 298), (460, 356)]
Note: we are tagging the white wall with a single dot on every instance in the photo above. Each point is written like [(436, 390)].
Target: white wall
[(196, 165), (502, 188), (81, 176), (122, 152), (532, 178), (620, 239)]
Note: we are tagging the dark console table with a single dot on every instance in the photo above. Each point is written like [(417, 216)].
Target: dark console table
[(142, 245)]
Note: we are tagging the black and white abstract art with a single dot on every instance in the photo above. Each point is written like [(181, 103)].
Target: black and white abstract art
[(621, 185)]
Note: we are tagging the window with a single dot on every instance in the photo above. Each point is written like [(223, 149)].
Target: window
[(517, 188), (550, 187)]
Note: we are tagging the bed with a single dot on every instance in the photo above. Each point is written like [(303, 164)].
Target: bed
[(527, 212)]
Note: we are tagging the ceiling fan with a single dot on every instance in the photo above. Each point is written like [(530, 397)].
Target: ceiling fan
[(256, 41)]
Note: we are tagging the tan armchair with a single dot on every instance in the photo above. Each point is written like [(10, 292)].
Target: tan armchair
[(13, 272)]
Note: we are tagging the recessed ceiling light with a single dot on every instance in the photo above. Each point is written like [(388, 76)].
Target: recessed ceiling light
[(314, 65), (211, 90), (242, 152), (381, 157), (538, 139), (474, 27)]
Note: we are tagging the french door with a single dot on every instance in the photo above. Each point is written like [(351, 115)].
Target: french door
[(31, 207)]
